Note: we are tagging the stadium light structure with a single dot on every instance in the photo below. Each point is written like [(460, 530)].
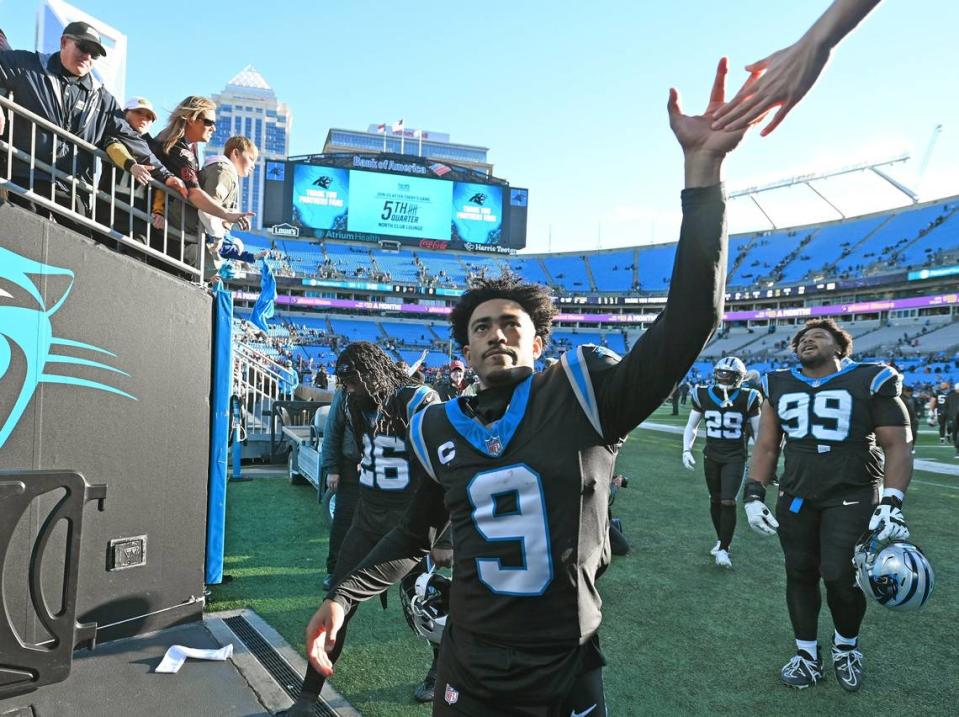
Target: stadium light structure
[(807, 179)]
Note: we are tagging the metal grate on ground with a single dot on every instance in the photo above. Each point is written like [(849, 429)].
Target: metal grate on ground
[(278, 668)]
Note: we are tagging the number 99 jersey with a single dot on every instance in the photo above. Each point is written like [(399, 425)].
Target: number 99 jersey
[(726, 420), (829, 425)]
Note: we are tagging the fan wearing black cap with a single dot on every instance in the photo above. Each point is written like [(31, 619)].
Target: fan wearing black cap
[(381, 402), (61, 89)]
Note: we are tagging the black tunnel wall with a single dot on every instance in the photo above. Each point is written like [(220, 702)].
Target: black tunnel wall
[(151, 452)]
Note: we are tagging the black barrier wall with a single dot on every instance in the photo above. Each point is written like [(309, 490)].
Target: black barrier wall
[(105, 370)]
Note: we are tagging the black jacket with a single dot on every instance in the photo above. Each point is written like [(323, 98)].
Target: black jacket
[(39, 83)]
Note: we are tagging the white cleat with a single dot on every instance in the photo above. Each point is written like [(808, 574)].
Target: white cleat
[(722, 559), (715, 549)]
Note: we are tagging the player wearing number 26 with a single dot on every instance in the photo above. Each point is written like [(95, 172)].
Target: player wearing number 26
[(522, 471), (381, 401), (832, 412)]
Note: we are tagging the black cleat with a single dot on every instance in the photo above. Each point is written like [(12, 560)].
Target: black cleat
[(847, 662), (424, 690), (801, 671)]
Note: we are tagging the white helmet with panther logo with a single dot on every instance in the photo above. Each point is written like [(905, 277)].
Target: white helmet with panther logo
[(729, 372)]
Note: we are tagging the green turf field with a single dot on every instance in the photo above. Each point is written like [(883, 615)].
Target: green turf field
[(682, 636)]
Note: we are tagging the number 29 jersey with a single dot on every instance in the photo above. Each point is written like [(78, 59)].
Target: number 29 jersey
[(726, 418), (528, 500), (829, 426)]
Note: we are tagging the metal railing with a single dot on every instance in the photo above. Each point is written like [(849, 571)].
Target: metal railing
[(259, 382), (171, 241)]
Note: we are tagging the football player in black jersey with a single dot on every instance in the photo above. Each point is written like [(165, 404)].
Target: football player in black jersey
[(832, 412), (522, 471), (730, 410), (381, 401)]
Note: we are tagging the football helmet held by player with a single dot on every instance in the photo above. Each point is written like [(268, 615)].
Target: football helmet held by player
[(897, 575), (426, 603)]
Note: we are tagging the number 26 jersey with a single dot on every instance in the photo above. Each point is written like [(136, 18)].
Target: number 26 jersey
[(829, 425)]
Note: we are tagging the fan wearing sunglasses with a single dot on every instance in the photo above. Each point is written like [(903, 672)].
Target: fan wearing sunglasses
[(61, 88), (193, 121)]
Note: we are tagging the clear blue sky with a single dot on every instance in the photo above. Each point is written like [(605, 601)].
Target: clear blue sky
[(569, 96)]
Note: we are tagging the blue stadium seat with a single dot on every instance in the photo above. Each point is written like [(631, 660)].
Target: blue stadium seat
[(355, 329), (530, 269), (656, 266), (765, 254), (411, 334), (568, 272), (613, 270), (901, 229)]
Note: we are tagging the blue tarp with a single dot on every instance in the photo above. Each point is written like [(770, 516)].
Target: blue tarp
[(219, 432)]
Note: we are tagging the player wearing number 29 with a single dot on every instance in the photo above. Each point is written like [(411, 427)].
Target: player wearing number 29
[(832, 412), (522, 470), (381, 401), (728, 408)]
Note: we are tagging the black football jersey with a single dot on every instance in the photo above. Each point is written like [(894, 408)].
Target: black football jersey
[(528, 500), (526, 490), (829, 425), (727, 419), (387, 475)]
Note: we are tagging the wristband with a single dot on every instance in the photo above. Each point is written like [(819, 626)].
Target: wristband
[(893, 493), (126, 165), (754, 490)]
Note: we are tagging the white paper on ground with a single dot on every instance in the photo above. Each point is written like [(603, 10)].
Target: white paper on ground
[(175, 657)]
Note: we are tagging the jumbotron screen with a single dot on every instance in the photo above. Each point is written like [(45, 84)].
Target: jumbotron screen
[(437, 211)]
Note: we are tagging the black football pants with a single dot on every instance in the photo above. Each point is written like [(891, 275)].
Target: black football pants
[(818, 540), (584, 698)]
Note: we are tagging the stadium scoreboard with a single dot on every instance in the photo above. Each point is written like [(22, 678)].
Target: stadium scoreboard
[(396, 198)]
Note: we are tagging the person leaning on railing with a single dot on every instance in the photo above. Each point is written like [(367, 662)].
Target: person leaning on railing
[(193, 121), (61, 89), (140, 115)]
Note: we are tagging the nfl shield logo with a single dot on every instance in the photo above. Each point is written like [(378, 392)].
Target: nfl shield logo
[(494, 446), (452, 695)]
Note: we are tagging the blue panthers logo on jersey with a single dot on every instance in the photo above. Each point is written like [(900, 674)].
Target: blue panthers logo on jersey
[(25, 325)]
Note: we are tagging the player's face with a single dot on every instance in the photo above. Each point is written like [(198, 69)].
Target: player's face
[(816, 347), (353, 386), (503, 345)]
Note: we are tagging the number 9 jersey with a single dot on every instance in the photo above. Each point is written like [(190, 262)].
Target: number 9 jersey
[(829, 425), (528, 498)]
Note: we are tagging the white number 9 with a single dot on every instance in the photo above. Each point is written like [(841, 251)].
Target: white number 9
[(524, 523)]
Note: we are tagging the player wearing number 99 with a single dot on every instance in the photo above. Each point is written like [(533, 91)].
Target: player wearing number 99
[(522, 470), (381, 401), (832, 412), (727, 407)]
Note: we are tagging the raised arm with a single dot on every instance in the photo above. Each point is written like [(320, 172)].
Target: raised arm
[(783, 79), (629, 391)]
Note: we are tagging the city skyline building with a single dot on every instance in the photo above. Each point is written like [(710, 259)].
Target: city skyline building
[(396, 138), (248, 106)]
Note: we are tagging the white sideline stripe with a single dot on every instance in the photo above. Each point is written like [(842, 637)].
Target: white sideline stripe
[(919, 463)]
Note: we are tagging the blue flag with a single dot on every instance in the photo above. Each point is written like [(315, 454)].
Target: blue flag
[(267, 301)]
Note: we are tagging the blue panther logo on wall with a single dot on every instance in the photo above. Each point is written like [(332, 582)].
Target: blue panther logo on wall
[(29, 329)]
